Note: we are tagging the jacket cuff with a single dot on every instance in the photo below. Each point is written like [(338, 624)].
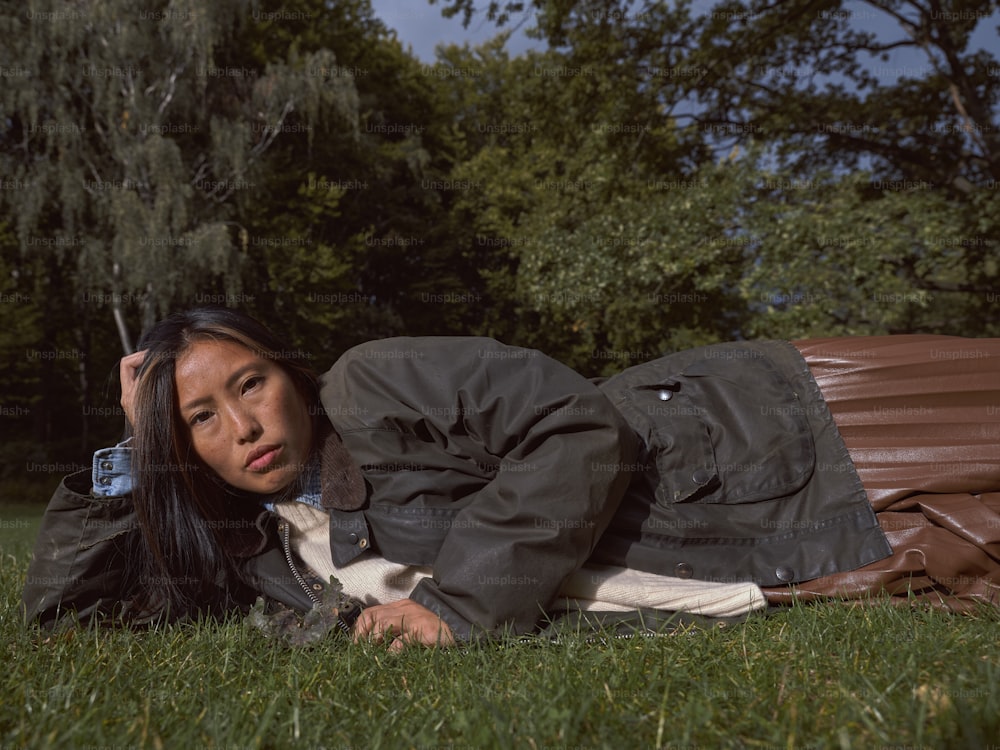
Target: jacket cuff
[(463, 630), (112, 471)]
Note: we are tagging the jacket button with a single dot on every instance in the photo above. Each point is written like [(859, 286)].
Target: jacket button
[(784, 574), (701, 476), (683, 570), (352, 538), (105, 480), (665, 395), (107, 465)]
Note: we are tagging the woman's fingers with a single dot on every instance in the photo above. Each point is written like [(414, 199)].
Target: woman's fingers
[(128, 371), (403, 623)]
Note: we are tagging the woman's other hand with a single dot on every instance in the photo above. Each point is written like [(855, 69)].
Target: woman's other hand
[(402, 623), (128, 370)]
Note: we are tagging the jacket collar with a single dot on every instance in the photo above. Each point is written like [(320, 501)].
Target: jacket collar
[(343, 487)]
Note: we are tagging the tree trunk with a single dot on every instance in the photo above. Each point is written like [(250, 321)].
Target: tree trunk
[(116, 310)]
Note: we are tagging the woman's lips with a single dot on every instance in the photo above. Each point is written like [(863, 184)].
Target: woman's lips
[(259, 459)]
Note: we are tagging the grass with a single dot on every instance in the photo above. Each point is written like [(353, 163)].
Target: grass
[(807, 677)]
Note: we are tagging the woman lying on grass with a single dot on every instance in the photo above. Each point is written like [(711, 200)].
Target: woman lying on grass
[(458, 488)]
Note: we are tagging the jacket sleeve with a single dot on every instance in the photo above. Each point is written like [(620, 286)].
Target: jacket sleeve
[(81, 555), (552, 453)]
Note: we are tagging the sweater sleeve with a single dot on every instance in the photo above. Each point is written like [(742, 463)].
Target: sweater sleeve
[(608, 587), (556, 452)]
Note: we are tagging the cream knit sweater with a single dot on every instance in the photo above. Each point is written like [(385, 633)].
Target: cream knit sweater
[(375, 580)]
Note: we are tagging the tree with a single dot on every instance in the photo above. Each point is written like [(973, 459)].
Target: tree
[(828, 199), (355, 239), (577, 180), (137, 142), (815, 78), (733, 249), (136, 147)]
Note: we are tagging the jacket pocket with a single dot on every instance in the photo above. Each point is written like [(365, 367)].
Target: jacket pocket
[(723, 431)]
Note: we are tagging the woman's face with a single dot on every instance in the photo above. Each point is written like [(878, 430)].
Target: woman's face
[(245, 417)]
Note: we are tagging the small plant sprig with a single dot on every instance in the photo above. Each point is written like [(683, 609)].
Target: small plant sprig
[(292, 629)]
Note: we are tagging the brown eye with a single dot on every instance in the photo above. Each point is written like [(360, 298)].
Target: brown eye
[(250, 383)]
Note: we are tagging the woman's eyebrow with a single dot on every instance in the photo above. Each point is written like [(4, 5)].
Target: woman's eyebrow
[(230, 382)]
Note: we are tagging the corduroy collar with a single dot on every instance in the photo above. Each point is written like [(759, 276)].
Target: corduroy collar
[(343, 487)]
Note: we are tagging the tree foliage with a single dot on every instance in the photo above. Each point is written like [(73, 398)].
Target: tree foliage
[(144, 140), (781, 174)]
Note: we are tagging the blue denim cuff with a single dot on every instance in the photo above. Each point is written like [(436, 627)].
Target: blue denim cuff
[(113, 471)]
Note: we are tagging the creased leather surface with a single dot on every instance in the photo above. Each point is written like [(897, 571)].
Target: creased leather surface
[(921, 419)]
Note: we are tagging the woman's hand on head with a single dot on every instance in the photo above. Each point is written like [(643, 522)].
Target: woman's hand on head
[(403, 623), (128, 370)]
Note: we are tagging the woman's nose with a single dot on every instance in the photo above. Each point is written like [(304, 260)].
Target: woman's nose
[(246, 427)]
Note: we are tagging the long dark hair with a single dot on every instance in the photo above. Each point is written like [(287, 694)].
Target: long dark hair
[(194, 524)]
